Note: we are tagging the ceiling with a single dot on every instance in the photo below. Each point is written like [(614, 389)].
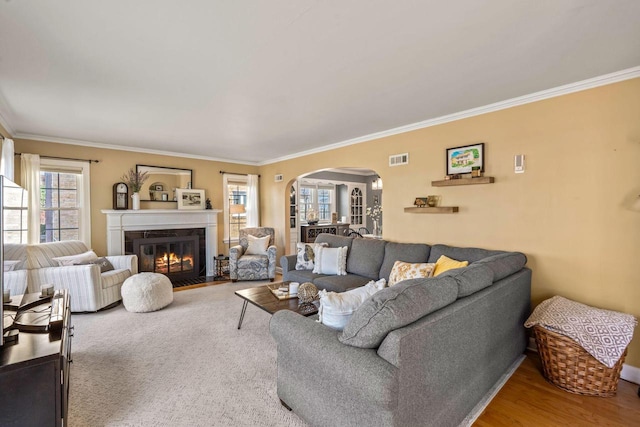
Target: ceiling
[(256, 81)]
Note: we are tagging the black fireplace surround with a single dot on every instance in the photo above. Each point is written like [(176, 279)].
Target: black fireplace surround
[(177, 253)]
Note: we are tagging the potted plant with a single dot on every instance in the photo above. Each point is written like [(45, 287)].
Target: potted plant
[(135, 180)]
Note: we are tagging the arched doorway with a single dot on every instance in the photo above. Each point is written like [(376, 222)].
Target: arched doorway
[(342, 195)]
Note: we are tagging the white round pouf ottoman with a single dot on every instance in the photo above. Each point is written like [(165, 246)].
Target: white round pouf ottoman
[(144, 292)]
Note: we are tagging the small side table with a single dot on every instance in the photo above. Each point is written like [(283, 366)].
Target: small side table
[(222, 263)]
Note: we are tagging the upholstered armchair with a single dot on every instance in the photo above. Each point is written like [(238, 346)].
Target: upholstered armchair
[(92, 286), (255, 257)]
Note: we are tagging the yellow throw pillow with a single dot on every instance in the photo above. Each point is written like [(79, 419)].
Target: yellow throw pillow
[(406, 270), (445, 263)]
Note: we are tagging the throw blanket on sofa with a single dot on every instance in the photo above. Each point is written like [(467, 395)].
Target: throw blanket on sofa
[(604, 334)]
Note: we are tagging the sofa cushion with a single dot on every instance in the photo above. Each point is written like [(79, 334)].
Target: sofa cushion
[(365, 258), (16, 251), (395, 307), (41, 255), (504, 264), (445, 263), (331, 261), (339, 283), (105, 264), (257, 245), (407, 252), (114, 278), (77, 259), (336, 308), (407, 270), (10, 265), (307, 254), (467, 254), (302, 276), (470, 279), (335, 241)]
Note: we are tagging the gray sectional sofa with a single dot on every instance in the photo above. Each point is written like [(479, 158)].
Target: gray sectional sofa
[(421, 353)]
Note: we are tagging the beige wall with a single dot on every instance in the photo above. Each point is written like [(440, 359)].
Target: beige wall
[(114, 163), (570, 212)]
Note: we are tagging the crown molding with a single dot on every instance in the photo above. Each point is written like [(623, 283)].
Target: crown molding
[(606, 79), (5, 125), (126, 148)]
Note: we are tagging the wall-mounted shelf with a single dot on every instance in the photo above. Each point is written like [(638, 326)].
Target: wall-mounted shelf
[(437, 209), (463, 181)]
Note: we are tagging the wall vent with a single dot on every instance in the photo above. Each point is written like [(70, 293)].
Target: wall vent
[(399, 159), (279, 178)]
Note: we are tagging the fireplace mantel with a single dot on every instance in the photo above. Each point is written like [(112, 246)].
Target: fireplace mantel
[(119, 221)]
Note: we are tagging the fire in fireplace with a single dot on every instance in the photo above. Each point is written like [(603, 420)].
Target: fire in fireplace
[(174, 253)]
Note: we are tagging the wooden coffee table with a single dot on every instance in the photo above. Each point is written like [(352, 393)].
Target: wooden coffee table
[(262, 297)]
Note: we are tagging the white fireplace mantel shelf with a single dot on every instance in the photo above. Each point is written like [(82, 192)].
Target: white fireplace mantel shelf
[(119, 221)]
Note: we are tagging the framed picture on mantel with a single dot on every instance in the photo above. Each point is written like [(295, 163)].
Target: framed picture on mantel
[(189, 198), (462, 159)]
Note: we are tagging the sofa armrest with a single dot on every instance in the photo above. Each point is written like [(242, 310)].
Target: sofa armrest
[(82, 281), (121, 262), (288, 263), (271, 255), (308, 349)]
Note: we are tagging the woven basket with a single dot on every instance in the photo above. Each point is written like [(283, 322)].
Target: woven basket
[(567, 365)]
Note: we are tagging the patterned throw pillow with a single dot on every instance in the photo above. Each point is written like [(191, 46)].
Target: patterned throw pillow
[(444, 263), (306, 255), (406, 270)]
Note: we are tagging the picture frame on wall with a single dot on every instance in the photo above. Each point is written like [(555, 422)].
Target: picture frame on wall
[(189, 198), (462, 159)]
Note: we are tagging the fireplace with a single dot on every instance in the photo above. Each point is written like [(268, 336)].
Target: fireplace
[(121, 222), (177, 253)]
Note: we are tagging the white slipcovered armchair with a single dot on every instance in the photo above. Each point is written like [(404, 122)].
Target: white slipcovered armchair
[(253, 266), (89, 289)]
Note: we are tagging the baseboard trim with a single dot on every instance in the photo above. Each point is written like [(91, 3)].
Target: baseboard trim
[(628, 373)]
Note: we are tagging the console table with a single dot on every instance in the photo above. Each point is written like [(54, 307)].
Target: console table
[(34, 374), (308, 233)]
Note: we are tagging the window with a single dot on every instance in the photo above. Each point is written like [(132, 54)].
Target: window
[(64, 201), (319, 197), (235, 187)]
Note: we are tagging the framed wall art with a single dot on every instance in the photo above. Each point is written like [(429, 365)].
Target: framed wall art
[(189, 198), (463, 159)]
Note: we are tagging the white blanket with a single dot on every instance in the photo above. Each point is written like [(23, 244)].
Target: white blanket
[(604, 334)]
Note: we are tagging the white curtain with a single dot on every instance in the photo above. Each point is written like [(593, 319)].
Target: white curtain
[(253, 205), (30, 181), (6, 159)]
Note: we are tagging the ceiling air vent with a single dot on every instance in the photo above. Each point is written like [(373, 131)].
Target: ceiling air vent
[(278, 177), (399, 159)]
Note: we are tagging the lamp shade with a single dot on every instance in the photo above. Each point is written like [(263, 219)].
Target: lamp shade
[(236, 209)]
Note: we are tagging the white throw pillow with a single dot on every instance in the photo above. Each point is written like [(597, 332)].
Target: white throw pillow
[(83, 258), (306, 255), (257, 245), (9, 265), (336, 308), (331, 261), (407, 270)]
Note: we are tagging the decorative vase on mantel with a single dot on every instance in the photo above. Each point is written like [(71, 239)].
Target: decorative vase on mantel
[(135, 198)]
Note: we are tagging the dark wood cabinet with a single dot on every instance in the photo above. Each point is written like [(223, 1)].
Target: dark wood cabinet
[(34, 375), (308, 233)]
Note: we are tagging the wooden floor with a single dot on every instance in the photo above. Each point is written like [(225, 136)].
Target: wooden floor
[(528, 400)]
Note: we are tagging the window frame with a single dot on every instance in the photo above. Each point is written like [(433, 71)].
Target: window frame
[(81, 168), (230, 179), (316, 186)]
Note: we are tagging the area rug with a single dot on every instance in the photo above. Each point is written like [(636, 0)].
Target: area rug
[(185, 365)]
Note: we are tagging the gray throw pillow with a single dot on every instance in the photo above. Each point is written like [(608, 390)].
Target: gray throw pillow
[(395, 307), (105, 264)]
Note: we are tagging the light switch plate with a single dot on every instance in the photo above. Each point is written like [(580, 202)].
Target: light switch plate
[(518, 163)]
